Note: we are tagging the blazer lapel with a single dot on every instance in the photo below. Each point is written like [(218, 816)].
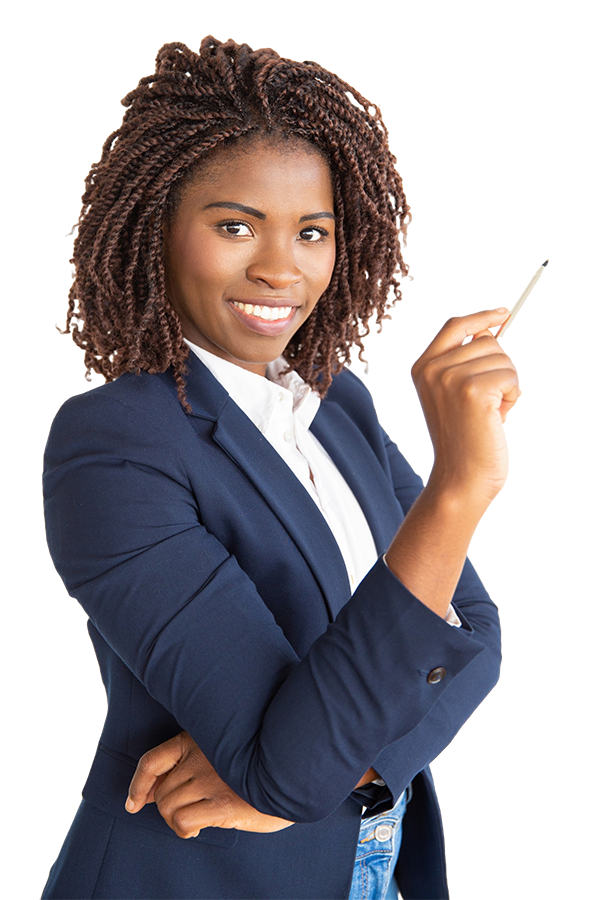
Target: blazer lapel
[(359, 465), (239, 438)]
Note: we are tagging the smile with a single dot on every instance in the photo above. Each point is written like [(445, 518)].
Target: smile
[(267, 313)]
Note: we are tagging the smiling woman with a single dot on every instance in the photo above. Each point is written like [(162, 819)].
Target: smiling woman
[(243, 287), (285, 620), (196, 111)]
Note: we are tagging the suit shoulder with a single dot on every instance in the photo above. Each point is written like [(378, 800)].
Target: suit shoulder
[(132, 405), (127, 392), (349, 392), (347, 383)]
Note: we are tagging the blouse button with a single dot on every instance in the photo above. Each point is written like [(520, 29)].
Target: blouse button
[(288, 437)]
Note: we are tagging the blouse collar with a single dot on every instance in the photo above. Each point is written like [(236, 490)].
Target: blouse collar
[(257, 396)]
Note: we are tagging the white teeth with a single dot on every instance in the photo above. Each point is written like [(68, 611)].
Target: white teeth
[(268, 313)]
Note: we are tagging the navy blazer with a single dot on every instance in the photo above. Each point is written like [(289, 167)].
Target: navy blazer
[(218, 602)]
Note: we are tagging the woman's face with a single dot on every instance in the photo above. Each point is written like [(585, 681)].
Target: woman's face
[(250, 249)]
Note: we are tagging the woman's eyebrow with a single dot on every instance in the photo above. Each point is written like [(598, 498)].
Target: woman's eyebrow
[(319, 215), (250, 211)]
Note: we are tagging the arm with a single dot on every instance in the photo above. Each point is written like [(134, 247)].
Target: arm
[(402, 759), (191, 796), (176, 607), (466, 392), (398, 762), (179, 778)]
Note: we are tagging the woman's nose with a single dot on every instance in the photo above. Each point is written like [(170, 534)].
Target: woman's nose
[(274, 265)]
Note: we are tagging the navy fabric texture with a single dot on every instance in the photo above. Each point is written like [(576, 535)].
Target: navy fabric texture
[(219, 602)]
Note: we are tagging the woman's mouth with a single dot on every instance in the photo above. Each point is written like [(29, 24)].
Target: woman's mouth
[(263, 319), (267, 313)]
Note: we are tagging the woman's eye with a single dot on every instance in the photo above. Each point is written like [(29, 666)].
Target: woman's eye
[(236, 229), (313, 234)]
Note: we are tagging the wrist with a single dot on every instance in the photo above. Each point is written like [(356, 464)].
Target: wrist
[(428, 553), (466, 498), (369, 776)]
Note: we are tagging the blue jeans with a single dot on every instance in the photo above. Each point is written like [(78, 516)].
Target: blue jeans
[(377, 853)]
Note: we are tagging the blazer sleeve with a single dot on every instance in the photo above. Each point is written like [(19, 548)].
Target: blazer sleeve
[(400, 761), (290, 736)]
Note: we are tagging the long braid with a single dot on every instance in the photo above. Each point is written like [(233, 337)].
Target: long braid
[(193, 104)]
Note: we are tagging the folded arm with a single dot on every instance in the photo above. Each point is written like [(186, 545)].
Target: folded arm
[(124, 532)]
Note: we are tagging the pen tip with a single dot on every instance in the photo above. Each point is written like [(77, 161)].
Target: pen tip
[(545, 264)]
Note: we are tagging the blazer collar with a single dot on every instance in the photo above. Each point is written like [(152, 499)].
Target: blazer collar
[(254, 455), (356, 460), (204, 393), (241, 440)]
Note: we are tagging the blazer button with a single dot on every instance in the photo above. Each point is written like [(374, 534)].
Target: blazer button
[(436, 675)]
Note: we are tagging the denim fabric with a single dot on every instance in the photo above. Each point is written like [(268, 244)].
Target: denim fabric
[(377, 854)]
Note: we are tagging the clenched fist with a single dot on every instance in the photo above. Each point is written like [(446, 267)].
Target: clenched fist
[(466, 391)]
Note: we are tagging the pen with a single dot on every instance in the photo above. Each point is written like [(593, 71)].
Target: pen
[(520, 302)]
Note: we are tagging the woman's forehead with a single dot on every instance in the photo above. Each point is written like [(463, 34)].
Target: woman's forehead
[(256, 151), (262, 172)]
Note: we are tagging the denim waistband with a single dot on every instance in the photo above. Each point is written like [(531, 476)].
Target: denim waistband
[(377, 853)]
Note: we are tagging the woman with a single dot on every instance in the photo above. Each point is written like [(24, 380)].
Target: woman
[(222, 507)]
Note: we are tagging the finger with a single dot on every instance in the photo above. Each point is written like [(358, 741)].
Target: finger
[(152, 791), (485, 333), (152, 764), (457, 329), (508, 403), (493, 388), (499, 333), (179, 789), (484, 347), (185, 772), (188, 821), (462, 369)]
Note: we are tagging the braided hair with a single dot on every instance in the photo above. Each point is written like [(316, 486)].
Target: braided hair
[(194, 104)]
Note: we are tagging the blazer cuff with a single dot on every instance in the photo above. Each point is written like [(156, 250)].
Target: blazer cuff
[(451, 617)]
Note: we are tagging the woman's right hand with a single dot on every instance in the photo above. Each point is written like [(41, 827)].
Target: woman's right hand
[(466, 391)]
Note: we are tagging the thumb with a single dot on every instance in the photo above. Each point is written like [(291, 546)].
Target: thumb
[(152, 765)]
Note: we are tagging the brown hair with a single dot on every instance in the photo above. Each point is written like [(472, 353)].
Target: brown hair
[(192, 105)]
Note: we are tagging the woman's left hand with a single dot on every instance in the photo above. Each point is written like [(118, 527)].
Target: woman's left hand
[(189, 794)]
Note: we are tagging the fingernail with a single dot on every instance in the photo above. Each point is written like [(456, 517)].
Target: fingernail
[(129, 805), (501, 309)]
